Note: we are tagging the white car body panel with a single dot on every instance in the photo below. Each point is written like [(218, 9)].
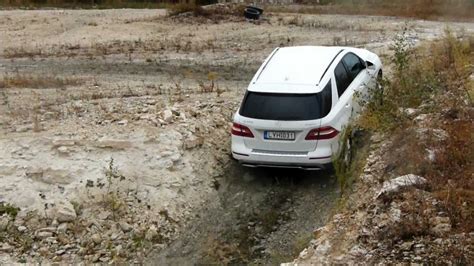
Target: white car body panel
[(302, 70)]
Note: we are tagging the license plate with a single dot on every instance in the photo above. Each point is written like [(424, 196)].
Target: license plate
[(281, 135)]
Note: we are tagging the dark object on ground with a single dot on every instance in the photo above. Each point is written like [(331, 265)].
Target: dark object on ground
[(252, 13), (256, 8)]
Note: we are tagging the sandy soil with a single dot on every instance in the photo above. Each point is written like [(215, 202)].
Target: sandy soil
[(156, 94)]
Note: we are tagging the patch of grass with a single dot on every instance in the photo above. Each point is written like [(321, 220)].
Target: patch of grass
[(8, 209), (20, 80)]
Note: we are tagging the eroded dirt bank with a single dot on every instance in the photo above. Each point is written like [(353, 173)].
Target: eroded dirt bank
[(156, 95)]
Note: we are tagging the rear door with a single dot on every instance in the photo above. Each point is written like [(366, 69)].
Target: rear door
[(281, 122), (350, 76), (356, 69)]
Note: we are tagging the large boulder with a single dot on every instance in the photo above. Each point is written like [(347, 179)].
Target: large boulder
[(399, 184)]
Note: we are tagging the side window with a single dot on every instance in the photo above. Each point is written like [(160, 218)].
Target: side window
[(325, 99), (354, 64), (342, 78)]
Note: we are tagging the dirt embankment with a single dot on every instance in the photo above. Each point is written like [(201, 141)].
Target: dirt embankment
[(412, 199), (114, 135)]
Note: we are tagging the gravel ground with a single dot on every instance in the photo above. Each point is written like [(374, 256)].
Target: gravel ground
[(156, 94)]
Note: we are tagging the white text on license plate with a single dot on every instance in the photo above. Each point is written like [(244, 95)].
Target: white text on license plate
[(283, 135)]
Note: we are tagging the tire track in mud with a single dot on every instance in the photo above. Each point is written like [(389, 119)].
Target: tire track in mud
[(262, 216)]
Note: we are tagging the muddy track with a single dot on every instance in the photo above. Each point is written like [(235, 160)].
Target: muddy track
[(259, 216)]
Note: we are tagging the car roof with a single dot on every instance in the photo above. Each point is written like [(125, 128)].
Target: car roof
[(296, 69)]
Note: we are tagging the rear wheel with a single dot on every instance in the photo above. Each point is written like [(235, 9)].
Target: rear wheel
[(379, 87), (348, 149)]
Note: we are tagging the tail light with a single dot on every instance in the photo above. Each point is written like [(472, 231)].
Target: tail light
[(240, 130), (322, 133)]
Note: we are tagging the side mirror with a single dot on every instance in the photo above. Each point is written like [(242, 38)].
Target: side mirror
[(370, 65)]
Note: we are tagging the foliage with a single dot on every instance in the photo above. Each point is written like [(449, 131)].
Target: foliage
[(113, 198), (434, 80), (8, 209), (349, 160)]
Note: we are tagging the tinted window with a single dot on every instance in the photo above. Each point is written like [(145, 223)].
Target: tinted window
[(287, 107), (326, 99), (354, 64), (342, 78)]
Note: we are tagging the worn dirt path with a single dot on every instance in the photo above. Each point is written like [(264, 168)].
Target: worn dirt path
[(260, 216)]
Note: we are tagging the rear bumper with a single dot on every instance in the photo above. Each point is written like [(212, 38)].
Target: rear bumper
[(319, 159)]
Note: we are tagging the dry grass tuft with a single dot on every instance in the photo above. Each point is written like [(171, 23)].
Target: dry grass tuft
[(422, 9), (20, 80)]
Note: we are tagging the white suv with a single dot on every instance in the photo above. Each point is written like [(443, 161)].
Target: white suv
[(297, 104)]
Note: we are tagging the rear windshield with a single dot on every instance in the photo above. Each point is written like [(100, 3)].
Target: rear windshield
[(287, 107)]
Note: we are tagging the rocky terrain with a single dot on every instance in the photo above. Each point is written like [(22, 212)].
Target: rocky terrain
[(114, 143)]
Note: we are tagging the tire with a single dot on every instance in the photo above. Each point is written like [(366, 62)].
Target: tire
[(251, 13), (348, 156), (256, 8), (380, 86)]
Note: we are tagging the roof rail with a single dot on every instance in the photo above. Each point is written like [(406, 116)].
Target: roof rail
[(270, 58), (324, 73)]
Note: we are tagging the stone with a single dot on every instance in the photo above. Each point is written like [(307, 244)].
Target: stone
[(24, 128), (167, 116), (104, 215), (165, 163), (175, 157), (62, 228), (21, 228), (125, 227), (151, 233), (409, 111), (65, 212), (63, 142), (63, 150), (96, 257), (406, 246), (192, 141), (6, 248), (317, 233), (257, 249), (96, 238), (60, 252), (105, 143), (116, 235), (44, 234), (431, 155), (122, 122), (118, 250), (395, 185), (441, 229), (4, 220), (421, 118), (48, 229)]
